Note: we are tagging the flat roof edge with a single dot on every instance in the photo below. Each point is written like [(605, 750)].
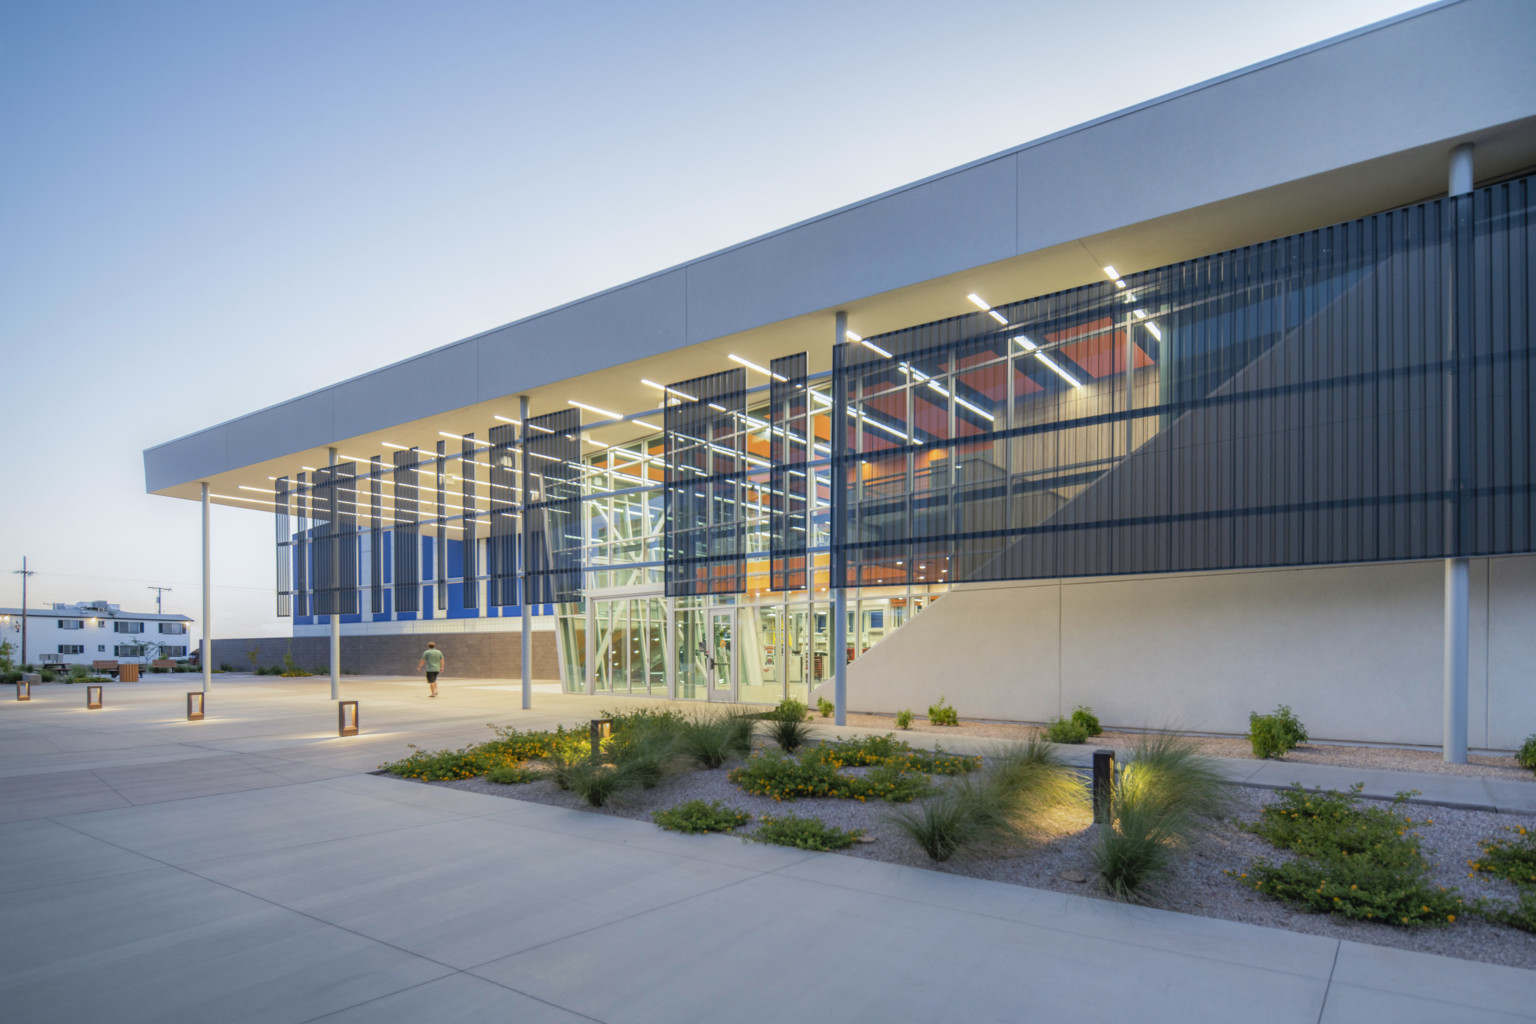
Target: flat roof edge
[(846, 208)]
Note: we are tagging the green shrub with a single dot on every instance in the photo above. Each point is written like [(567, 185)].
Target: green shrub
[(1521, 914), (511, 775), (942, 713), (697, 816), (1513, 860), (1358, 888), (78, 672), (1526, 757), (825, 706), (790, 778), (1275, 734), (47, 677), (804, 833), (1361, 863), (1003, 805), (789, 710), (158, 669), (231, 668), (904, 718), (510, 749), (1066, 730), (1083, 715), (1162, 795), (887, 750)]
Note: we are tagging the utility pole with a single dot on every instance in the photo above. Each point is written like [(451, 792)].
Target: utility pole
[(23, 572), (158, 591)]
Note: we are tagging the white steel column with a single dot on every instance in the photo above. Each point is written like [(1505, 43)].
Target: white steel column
[(207, 655), (1454, 740), (522, 535), (335, 588), (839, 592)]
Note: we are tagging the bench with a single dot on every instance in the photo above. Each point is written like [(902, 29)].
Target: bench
[(162, 663), (109, 667)]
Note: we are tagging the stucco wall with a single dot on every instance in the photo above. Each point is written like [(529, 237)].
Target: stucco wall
[(468, 655), (1355, 650)]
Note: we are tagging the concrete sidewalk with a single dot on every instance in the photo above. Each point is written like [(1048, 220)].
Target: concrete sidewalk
[(244, 868)]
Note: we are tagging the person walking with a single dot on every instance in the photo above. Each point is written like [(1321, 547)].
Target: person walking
[(431, 660)]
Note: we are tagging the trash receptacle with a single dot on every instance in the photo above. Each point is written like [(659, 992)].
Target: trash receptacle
[(128, 674)]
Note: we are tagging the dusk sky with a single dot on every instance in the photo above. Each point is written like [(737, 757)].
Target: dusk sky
[(206, 209)]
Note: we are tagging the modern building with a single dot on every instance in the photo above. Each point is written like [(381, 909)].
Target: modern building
[(87, 631), (1214, 403)]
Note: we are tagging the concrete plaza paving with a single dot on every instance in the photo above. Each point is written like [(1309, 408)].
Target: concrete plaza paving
[(247, 868)]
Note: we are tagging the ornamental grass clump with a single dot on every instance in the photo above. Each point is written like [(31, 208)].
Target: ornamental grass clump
[(595, 782), (696, 817), (1163, 794), (787, 726), (1001, 805), (1361, 863), (710, 740)]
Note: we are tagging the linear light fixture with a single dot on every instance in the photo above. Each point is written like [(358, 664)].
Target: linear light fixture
[(664, 389), (388, 444), (876, 349), (1030, 346), (851, 336), (507, 419), (461, 437), (1151, 325), (749, 364), (593, 408)]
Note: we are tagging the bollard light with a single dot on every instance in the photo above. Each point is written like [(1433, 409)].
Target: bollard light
[(346, 718), (1103, 784), (194, 705), (93, 697), (602, 728), (23, 689)]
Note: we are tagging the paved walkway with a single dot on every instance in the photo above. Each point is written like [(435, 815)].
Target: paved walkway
[(245, 868)]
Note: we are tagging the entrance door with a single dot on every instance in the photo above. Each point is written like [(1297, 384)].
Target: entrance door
[(720, 656)]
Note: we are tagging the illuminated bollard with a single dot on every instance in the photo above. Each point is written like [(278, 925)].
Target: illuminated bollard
[(346, 718), (1103, 784)]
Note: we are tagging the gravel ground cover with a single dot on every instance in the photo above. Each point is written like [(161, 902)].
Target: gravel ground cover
[(1388, 758), (1060, 859)]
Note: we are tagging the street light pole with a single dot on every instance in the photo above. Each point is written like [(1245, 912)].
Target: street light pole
[(24, 572)]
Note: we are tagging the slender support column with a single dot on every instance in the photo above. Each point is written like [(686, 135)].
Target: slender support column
[(669, 646), (837, 570), (1454, 740), (1456, 660), (527, 641), (335, 591), (207, 654)]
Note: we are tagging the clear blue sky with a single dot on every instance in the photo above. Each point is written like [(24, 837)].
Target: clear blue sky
[(209, 208)]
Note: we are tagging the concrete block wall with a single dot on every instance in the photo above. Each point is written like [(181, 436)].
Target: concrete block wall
[(467, 655)]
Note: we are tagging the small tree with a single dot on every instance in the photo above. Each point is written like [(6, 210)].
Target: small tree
[(6, 650), (252, 655)]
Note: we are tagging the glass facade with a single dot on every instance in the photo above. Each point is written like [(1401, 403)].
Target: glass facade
[(1357, 393)]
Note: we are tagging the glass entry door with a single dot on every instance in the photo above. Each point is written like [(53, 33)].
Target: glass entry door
[(719, 656)]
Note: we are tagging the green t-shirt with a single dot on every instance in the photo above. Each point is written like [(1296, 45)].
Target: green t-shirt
[(434, 659)]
